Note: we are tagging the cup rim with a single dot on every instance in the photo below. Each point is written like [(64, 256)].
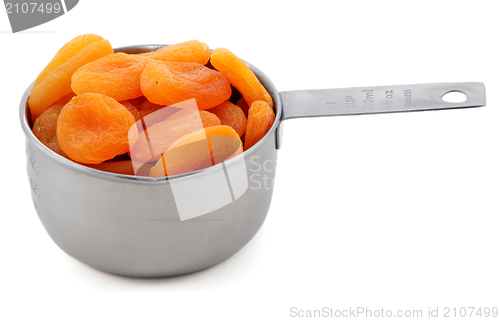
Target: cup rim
[(25, 124)]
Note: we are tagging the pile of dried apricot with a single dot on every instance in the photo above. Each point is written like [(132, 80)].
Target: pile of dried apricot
[(166, 112)]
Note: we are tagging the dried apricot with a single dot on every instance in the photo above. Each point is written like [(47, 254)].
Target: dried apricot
[(54, 82), (158, 137), (148, 107), (188, 51), (240, 76), (231, 115), (93, 128), (117, 76), (197, 150), (132, 109), (137, 102), (167, 83), (152, 115), (242, 103), (119, 167), (45, 127), (260, 119)]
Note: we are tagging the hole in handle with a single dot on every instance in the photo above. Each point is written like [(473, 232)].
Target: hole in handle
[(454, 96)]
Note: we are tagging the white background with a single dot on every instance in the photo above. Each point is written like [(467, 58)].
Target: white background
[(396, 211)]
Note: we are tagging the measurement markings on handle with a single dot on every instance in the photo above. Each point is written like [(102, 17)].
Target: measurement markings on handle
[(387, 101), (371, 99), (368, 101)]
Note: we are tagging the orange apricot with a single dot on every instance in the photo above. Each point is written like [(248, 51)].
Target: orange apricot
[(132, 109), (167, 83), (231, 115), (93, 128), (188, 51), (157, 138), (45, 125), (260, 119), (242, 103), (240, 76), (117, 76), (54, 82), (197, 150)]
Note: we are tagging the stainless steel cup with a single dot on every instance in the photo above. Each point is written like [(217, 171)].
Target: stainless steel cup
[(150, 227)]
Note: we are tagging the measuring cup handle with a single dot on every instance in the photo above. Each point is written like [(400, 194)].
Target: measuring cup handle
[(376, 100)]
